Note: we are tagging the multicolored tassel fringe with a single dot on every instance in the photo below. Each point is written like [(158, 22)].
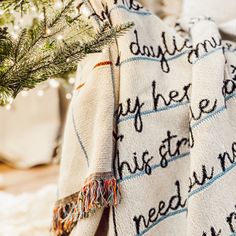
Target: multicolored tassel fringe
[(96, 193)]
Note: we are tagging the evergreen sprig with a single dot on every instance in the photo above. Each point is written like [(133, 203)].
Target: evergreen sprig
[(8, 8), (40, 52), (23, 5)]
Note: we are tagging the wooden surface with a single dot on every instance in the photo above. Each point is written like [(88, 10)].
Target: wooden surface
[(18, 181)]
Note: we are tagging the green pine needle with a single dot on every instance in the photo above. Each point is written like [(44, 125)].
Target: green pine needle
[(37, 54)]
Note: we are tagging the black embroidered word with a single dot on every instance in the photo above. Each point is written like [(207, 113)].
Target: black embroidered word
[(229, 86), (159, 52), (213, 232), (162, 52), (137, 166), (228, 47), (230, 219), (191, 140), (234, 69), (170, 147), (174, 96), (203, 47), (132, 109), (174, 203), (117, 137), (130, 4), (226, 156), (143, 166), (104, 15), (205, 107), (196, 180)]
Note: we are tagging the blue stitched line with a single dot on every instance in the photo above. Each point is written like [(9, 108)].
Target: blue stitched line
[(154, 111), (172, 57), (152, 168), (174, 213), (207, 54), (190, 195), (113, 87), (78, 137), (230, 96), (131, 11), (219, 110), (152, 59), (210, 182), (233, 234), (177, 157), (148, 112)]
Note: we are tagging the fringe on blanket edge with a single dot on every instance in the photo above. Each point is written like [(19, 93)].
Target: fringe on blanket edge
[(95, 194)]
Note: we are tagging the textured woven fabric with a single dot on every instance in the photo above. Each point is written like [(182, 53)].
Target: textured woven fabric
[(154, 116)]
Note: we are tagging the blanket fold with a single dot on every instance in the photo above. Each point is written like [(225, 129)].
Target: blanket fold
[(151, 132)]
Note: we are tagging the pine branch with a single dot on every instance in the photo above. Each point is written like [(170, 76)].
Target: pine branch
[(5, 95), (22, 5), (37, 54), (5, 44), (66, 9), (21, 45)]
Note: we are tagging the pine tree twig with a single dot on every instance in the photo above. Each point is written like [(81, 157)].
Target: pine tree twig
[(39, 53)]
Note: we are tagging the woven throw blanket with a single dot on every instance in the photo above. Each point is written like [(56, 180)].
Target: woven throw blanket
[(150, 139)]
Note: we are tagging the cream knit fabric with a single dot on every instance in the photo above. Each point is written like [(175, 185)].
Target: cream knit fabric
[(174, 132)]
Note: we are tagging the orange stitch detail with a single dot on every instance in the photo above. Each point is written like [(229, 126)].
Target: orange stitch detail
[(80, 86), (103, 63)]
